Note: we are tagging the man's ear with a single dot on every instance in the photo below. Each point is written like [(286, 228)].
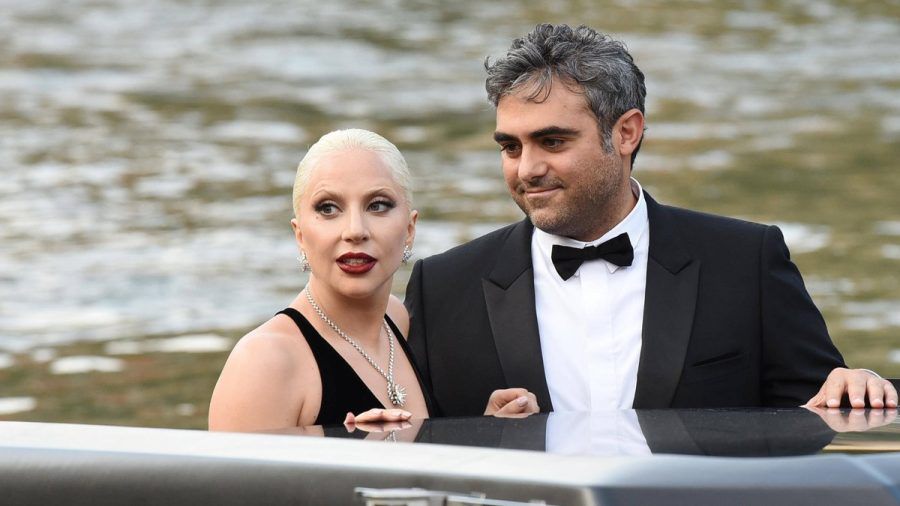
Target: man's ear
[(628, 131)]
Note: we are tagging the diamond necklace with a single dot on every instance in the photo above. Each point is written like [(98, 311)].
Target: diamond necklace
[(396, 393)]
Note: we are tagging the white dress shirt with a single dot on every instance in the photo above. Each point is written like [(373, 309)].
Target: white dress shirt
[(590, 325), (603, 434)]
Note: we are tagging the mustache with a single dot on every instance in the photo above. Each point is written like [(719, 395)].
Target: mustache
[(543, 183)]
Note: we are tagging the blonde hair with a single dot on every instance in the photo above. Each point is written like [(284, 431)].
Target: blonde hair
[(343, 140)]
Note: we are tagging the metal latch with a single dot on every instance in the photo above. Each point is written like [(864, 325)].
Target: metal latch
[(423, 497)]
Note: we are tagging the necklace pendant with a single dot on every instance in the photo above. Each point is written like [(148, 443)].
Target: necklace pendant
[(397, 394)]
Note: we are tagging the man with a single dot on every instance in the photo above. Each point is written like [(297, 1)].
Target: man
[(603, 298)]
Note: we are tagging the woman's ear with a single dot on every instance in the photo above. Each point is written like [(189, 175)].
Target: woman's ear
[(298, 235), (411, 228)]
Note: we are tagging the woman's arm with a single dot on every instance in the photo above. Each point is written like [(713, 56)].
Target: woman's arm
[(260, 387)]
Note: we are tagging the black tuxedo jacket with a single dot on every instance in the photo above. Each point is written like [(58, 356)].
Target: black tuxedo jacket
[(727, 319)]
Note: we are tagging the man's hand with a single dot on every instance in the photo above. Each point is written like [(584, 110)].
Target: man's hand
[(511, 403), (857, 384), (855, 420)]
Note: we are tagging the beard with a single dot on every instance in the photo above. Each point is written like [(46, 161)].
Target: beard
[(586, 207)]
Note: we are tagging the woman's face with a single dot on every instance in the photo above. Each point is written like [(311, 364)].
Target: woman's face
[(354, 222)]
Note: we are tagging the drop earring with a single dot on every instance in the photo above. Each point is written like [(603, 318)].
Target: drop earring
[(304, 262), (407, 254)]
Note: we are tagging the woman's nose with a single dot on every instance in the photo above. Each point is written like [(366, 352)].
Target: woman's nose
[(357, 227)]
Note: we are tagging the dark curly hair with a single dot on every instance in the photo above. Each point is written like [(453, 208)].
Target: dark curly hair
[(588, 61)]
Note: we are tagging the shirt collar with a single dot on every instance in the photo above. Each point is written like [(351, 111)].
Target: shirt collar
[(635, 224)]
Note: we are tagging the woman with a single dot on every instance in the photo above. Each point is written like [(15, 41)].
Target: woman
[(339, 349)]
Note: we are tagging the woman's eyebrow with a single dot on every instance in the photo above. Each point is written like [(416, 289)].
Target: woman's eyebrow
[(385, 191)]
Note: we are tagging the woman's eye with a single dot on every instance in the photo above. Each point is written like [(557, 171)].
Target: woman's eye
[(326, 209), (380, 206)]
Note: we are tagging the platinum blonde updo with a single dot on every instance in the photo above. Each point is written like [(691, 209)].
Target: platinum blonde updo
[(349, 139)]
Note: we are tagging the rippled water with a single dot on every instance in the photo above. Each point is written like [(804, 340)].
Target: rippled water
[(147, 149)]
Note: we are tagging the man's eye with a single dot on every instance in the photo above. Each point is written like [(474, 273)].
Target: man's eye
[(552, 143), (380, 206), (509, 149), (327, 209)]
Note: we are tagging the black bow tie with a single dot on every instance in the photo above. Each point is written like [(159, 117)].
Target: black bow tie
[(617, 250)]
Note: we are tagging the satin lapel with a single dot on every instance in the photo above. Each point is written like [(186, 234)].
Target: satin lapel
[(669, 304), (509, 296)]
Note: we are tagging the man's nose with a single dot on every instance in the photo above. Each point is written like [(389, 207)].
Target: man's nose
[(357, 228), (532, 165)]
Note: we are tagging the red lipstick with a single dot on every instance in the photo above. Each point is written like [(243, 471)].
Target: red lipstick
[(356, 263)]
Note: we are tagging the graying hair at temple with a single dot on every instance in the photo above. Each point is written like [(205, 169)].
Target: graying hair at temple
[(582, 58)]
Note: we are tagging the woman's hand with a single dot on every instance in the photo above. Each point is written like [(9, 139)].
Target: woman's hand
[(378, 420), (511, 403)]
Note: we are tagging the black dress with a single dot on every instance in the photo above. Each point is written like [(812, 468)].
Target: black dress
[(342, 389)]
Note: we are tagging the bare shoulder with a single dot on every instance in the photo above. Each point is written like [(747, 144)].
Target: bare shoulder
[(269, 354), (265, 380), (397, 311), (270, 348)]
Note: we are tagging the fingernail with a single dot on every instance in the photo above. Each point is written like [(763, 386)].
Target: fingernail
[(406, 414), (833, 403), (521, 401), (858, 400)]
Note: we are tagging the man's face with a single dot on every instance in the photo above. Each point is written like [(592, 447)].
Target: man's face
[(555, 166)]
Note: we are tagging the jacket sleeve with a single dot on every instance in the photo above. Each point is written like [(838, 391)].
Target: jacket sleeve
[(797, 351), (415, 305)]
